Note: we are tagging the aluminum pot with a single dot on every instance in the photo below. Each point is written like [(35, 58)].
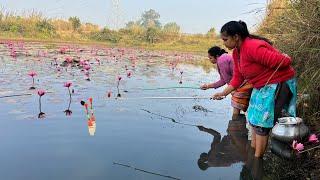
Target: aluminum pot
[(289, 129)]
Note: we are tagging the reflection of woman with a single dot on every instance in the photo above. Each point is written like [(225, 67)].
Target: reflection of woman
[(228, 150), (253, 168)]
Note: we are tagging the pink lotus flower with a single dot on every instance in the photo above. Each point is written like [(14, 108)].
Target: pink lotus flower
[(62, 50), (82, 63), (313, 138), (41, 92), (67, 84), (69, 59), (297, 146), (98, 60), (90, 100), (87, 67), (32, 73), (119, 78)]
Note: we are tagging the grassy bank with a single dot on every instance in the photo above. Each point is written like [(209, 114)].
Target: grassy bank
[(294, 27), (35, 27)]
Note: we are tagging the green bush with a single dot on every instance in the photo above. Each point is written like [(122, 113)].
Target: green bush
[(106, 35), (45, 27), (12, 27)]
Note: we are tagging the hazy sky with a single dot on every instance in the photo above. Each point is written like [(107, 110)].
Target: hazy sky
[(193, 16)]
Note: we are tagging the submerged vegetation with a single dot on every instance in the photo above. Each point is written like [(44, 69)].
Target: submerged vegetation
[(146, 32)]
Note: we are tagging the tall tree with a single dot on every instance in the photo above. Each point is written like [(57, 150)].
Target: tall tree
[(150, 19)]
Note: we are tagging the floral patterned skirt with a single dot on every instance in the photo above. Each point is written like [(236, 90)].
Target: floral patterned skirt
[(241, 96), (262, 104)]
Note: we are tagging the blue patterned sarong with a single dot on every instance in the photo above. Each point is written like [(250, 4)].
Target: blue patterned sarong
[(262, 102)]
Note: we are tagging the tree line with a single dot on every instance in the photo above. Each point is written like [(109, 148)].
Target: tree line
[(146, 30)]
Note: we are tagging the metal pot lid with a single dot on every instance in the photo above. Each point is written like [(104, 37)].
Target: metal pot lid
[(289, 120)]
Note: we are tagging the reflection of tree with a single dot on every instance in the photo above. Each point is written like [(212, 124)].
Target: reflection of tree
[(227, 150)]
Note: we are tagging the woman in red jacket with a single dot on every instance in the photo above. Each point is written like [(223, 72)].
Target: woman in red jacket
[(270, 73)]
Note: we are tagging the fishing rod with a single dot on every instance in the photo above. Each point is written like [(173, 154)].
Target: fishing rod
[(167, 97), (145, 171), (15, 95), (161, 88), (163, 97), (173, 87)]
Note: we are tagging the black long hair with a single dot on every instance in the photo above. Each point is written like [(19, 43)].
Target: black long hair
[(239, 27), (216, 51)]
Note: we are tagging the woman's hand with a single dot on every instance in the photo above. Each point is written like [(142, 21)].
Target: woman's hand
[(204, 87), (224, 93), (218, 96)]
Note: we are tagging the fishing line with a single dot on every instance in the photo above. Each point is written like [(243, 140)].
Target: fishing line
[(145, 171), (174, 87), (173, 120), (15, 95), (165, 97)]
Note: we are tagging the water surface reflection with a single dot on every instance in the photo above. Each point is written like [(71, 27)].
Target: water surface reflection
[(160, 136), (226, 150), (231, 149)]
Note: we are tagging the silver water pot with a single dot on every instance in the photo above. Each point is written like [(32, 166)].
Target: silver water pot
[(289, 129)]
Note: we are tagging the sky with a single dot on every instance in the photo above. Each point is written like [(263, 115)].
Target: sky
[(193, 16)]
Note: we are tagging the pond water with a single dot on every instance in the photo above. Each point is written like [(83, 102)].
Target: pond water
[(132, 137)]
